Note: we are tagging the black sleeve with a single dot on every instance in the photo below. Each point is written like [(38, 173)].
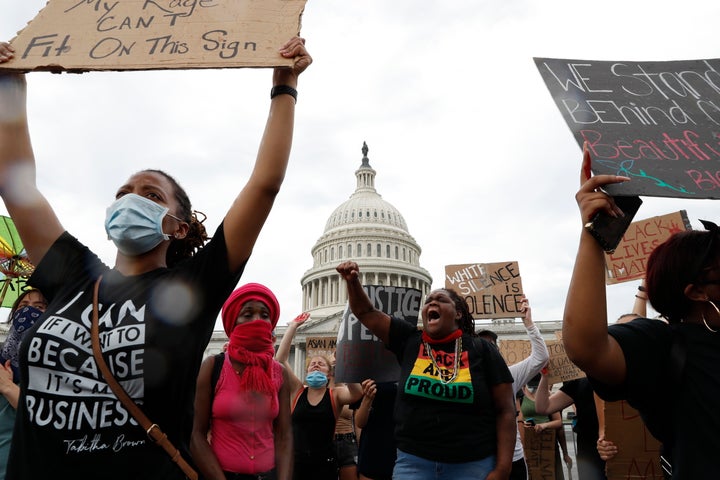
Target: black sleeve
[(646, 345)]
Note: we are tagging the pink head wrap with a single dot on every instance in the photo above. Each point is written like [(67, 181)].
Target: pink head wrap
[(249, 291)]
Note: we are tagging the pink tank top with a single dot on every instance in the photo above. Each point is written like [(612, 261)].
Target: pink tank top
[(242, 423)]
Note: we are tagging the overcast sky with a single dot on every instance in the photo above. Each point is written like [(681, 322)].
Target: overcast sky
[(465, 138)]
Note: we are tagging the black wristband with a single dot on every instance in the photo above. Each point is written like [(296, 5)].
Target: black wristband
[(642, 289), (283, 89)]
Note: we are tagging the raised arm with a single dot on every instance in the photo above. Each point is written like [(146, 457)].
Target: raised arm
[(362, 414), (283, 351), (585, 322), (641, 299), (251, 208), (539, 354), (34, 218), (347, 393), (376, 321)]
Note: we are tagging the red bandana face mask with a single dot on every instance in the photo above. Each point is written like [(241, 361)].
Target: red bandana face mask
[(251, 344)]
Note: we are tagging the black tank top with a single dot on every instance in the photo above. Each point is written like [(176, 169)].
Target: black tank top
[(313, 428)]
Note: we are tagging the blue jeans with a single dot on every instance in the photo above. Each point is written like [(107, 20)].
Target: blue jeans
[(410, 467)]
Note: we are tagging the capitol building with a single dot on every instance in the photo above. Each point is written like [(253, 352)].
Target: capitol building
[(365, 227)]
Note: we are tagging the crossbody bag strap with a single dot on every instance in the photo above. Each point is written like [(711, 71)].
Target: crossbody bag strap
[(153, 430)]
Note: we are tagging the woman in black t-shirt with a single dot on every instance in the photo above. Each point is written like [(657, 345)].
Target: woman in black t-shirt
[(667, 371), (156, 306), (454, 413)]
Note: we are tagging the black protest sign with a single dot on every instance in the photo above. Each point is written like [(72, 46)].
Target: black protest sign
[(359, 354), (655, 122), (491, 290)]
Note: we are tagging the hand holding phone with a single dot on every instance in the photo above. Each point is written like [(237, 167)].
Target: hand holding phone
[(609, 230)]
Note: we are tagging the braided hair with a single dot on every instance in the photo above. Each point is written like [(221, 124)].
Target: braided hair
[(182, 248), (466, 322)]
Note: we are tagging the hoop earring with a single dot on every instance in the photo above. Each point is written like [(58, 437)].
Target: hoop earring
[(717, 310), (706, 324)]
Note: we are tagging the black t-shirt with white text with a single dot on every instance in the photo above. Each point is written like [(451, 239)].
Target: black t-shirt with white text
[(154, 328)]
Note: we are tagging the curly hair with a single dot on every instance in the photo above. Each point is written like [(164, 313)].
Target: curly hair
[(182, 248), (466, 322)]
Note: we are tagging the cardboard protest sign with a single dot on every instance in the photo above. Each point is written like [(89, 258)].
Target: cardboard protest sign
[(539, 452), (560, 368), (491, 290), (655, 122), (629, 260), (324, 346), (514, 351), (359, 353), (638, 454), (84, 35)]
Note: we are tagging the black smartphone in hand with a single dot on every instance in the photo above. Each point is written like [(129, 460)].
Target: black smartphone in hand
[(609, 230)]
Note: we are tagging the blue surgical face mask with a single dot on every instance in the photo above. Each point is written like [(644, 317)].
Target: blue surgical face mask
[(134, 224), (316, 379)]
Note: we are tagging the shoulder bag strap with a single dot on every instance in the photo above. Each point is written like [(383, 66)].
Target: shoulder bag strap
[(152, 429)]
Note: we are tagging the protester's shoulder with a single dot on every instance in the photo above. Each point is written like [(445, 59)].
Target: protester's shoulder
[(642, 327), (67, 256), (479, 344), (572, 387), (398, 326)]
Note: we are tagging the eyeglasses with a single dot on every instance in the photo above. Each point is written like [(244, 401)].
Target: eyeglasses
[(698, 269)]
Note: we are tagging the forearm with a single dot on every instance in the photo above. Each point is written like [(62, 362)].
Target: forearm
[(362, 414), (361, 306), (204, 458), (552, 424), (34, 219), (283, 351), (358, 299), (542, 397), (640, 304), (355, 392), (274, 151), (506, 426), (562, 439), (15, 145), (11, 393), (284, 455), (600, 411), (539, 354), (585, 317)]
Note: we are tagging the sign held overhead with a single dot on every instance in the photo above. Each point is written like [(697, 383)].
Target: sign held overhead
[(87, 35), (655, 122)]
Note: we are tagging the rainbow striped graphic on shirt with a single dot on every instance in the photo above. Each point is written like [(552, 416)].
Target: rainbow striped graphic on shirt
[(424, 380)]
